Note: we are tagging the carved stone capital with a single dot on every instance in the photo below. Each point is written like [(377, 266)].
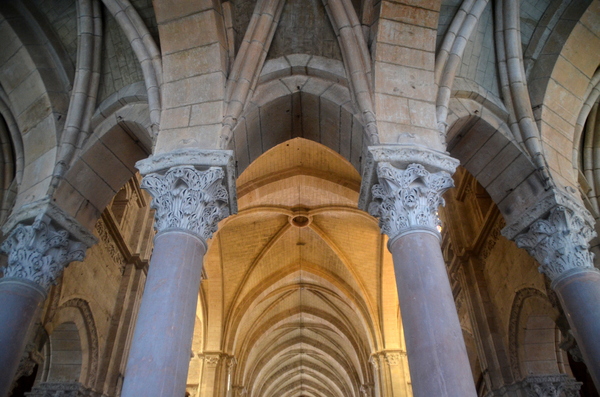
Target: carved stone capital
[(407, 200), (393, 358), (198, 158), (212, 359), (188, 199), (551, 386), (366, 390), (192, 189), (400, 156), (559, 242), (39, 251)]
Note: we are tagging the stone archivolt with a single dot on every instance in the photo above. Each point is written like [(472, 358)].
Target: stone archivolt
[(559, 242), (189, 199), (408, 200), (39, 252)]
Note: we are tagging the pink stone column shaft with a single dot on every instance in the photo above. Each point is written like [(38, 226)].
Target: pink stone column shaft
[(579, 295), (438, 361), (159, 358), (19, 303)]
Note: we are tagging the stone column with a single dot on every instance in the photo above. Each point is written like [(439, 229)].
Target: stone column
[(559, 242), (189, 199), (411, 182), (38, 250)]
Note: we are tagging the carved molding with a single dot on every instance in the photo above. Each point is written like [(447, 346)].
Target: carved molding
[(559, 242), (40, 251), (366, 390), (62, 389), (45, 208), (240, 391), (519, 221), (492, 239), (408, 199), (374, 360), (109, 244), (188, 199)]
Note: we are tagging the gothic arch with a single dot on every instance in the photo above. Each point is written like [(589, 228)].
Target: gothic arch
[(532, 328), (485, 146), (561, 94), (300, 96), (77, 312), (106, 162)]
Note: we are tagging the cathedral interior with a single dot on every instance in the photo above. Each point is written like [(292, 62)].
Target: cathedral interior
[(299, 198)]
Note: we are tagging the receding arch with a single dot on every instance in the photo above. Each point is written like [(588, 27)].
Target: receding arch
[(533, 335), (483, 143), (105, 163), (75, 322)]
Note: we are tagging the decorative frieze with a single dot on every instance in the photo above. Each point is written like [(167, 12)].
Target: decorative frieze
[(40, 251), (559, 242), (186, 198), (407, 199)]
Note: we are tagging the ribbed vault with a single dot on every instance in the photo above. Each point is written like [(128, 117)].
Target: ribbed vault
[(301, 279)]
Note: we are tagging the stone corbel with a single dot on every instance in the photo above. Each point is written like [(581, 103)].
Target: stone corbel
[(403, 187), (42, 240), (192, 189)]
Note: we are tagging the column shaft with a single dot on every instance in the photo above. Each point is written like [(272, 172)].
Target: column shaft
[(439, 365), (19, 302), (579, 295), (160, 352)]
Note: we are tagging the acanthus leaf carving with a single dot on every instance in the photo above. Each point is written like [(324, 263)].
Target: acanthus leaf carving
[(189, 199), (551, 386), (39, 252), (408, 199), (559, 242)]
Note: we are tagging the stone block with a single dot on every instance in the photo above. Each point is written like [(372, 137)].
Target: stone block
[(206, 113), (422, 114), (411, 36), (191, 31), (174, 9), (124, 147), (203, 88), (405, 82), (175, 117), (90, 185), (107, 166), (204, 136), (193, 61), (406, 56), (409, 14), (39, 139), (392, 109), (584, 55)]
